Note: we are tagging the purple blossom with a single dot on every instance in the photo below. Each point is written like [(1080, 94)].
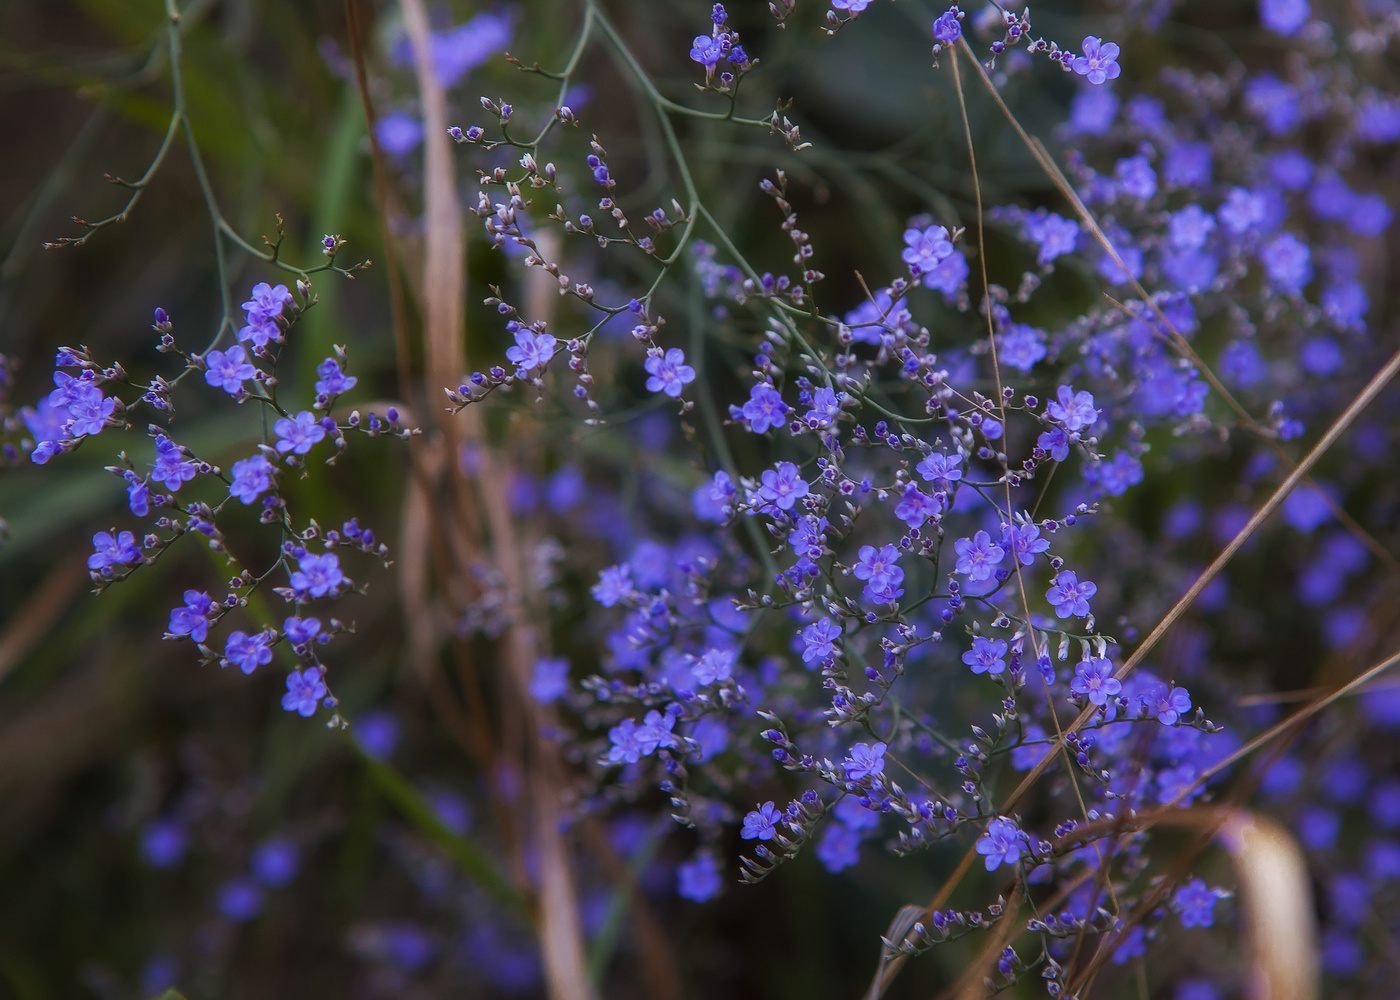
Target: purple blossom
[(316, 576), (248, 652), (1003, 842), (398, 134), (839, 848), (171, 467), (948, 29), (916, 507), (331, 381), (1054, 443), (1024, 541), (1021, 347), (1276, 102), (986, 655), (301, 631), (940, 468), (1135, 177), (113, 550), (1189, 228), (1117, 475), (826, 408), (879, 568), (299, 434), (1287, 262), (714, 666), (765, 408), (819, 640), (192, 619), (808, 538), (707, 50), (275, 862), (978, 556), (1283, 17), (1098, 64), (1068, 596), (865, 762), (614, 585), (698, 879), (305, 689), (533, 350), (228, 370), (252, 477), (924, 248), (1094, 680), (669, 373), (1054, 234), (1169, 704), (1073, 410), (550, 680), (762, 823), (1194, 903), (782, 486)]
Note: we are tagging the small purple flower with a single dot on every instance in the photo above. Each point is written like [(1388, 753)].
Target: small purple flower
[(698, 879), (865, 762), (301, 631), (1054, 234), (986, 656), (299, 434), (826, 408), (240, 901), (655, 732), (248, 652), (1003, 841), (1024, 542), (761, 823), (550, 681), (163, 843), (531, 350), (1283, 17), (941, 469), (1168, 703), (193, 619), (1099, 63), (113, 550), (879, 567), (820, 640), (331, 381), (305, 689), (707, 50), (765, 408), (782, 486), (669, 373), (1093, 679), (947, 29), (1055, 443), (170, 466), (924, 248), (275, 862), (715, 666), (1074, 410), (1189, 228), (614, 584), (978, 556), (1194, 903), (1288, 262), (808, 538), (316, 576), (839, 847), (267, 301), (252, 477), (398, 134), (625, 749), (228, 370), (1069, 597), (1135, 177), (916, 507)]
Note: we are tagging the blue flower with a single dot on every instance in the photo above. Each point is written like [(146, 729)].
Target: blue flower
[(1287, 262), (1194, 903), (698, 879), (865, 762), (550, 680), (820, 640), (978, 556), (299, 434), (1099, 63), (1094, 680), (1073, 410), (171, 467), (765, 408), (113, 550), (708, 50), (761, 823), (782, 486), (331, 381), (1023, 541), (248, 652), (940, 469), (240, 901), (275, 862), (252, 477), (228, 370), (838, 848), (924, 248), (1284, 17), (1069, 597), (948, 29), (614, 584), (1001, 844), (986, 656), (192, 619), (669, 372), (305, 689), (316, 576), (398, 134), (532, 350)]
